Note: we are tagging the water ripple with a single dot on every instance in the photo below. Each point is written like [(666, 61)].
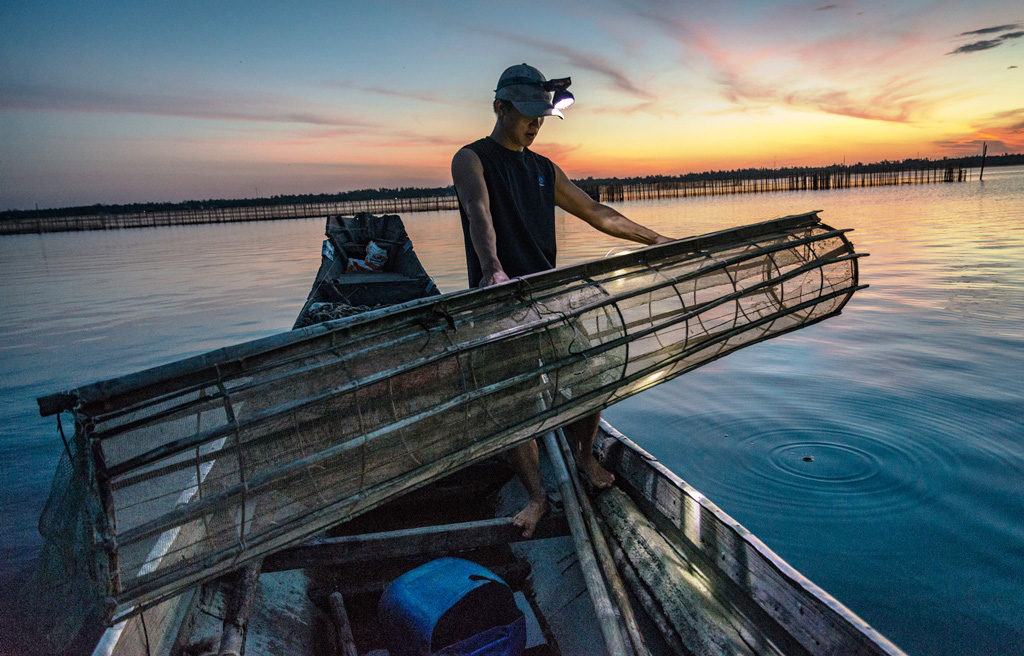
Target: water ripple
[(832, 471)]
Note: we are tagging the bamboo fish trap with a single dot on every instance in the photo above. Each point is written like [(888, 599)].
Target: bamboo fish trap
[(188, 470)]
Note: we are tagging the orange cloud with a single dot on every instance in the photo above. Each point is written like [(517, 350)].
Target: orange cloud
[(835, 74), (1003, 131)]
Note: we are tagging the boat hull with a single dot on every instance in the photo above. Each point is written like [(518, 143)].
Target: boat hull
[(714, 586)]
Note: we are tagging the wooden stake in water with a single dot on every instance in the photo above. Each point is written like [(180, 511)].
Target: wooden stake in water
[(984, 151)]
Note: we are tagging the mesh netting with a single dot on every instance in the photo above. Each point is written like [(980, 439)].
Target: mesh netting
[(62, 595), (320, 312), (211, 461)]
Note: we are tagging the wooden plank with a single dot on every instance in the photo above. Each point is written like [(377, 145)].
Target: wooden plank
[(703, 623), (603, 552), (346, 642), (652, 609), (162, 625), (418, 542), (282, 620), (238, 610)]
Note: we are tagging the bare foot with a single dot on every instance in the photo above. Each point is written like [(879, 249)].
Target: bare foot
[(599, 477), (528, 517)]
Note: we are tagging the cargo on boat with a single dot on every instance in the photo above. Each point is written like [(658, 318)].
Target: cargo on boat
[(185, 472)]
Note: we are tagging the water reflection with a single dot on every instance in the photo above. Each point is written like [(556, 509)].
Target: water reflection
[(910, 406)]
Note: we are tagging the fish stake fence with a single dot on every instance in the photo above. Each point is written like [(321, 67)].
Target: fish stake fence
[(30, 225), (840, 178)]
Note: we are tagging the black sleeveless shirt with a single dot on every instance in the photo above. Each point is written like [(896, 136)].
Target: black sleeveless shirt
[(521, 187)]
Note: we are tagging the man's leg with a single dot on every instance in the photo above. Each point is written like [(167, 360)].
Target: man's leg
[(526, 461), (582, 434)]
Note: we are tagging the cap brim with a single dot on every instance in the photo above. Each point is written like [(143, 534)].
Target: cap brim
[(537, 108)]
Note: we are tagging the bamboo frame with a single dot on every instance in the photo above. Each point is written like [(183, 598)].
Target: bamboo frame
[(199, 370), (336, 366)]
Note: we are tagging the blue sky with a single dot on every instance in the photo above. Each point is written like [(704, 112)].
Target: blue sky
[(105, 102)]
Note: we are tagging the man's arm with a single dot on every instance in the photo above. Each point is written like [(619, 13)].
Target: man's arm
[(468, 175), (575, 201)]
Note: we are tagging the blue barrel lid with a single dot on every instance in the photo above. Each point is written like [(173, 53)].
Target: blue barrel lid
[(414, 603)]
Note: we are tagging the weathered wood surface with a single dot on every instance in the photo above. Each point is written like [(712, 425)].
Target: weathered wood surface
[(604, 608), (346, 642), (282, 620), (703, 623), (423, 542), (152, 631), (238, 610), (650, 606), (768, 600), (616, 588)]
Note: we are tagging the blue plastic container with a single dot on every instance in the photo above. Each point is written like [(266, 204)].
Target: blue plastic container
[(451, 607)]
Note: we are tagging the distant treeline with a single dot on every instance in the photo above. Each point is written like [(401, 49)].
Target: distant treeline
[(768, 173), (431, 192)]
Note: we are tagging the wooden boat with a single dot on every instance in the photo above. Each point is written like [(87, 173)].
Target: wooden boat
[(338, 292), (713, 293)]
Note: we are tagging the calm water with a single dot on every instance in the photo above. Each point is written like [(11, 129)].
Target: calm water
[(911, 403)]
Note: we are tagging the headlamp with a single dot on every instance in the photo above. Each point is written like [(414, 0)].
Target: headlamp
[(562, 98)]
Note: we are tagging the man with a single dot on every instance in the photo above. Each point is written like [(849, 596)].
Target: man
[(507, 198)]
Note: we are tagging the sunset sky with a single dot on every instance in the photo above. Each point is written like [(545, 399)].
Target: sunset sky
[(104, 102)]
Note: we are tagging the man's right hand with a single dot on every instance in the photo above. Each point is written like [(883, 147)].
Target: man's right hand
[(495, 278)]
